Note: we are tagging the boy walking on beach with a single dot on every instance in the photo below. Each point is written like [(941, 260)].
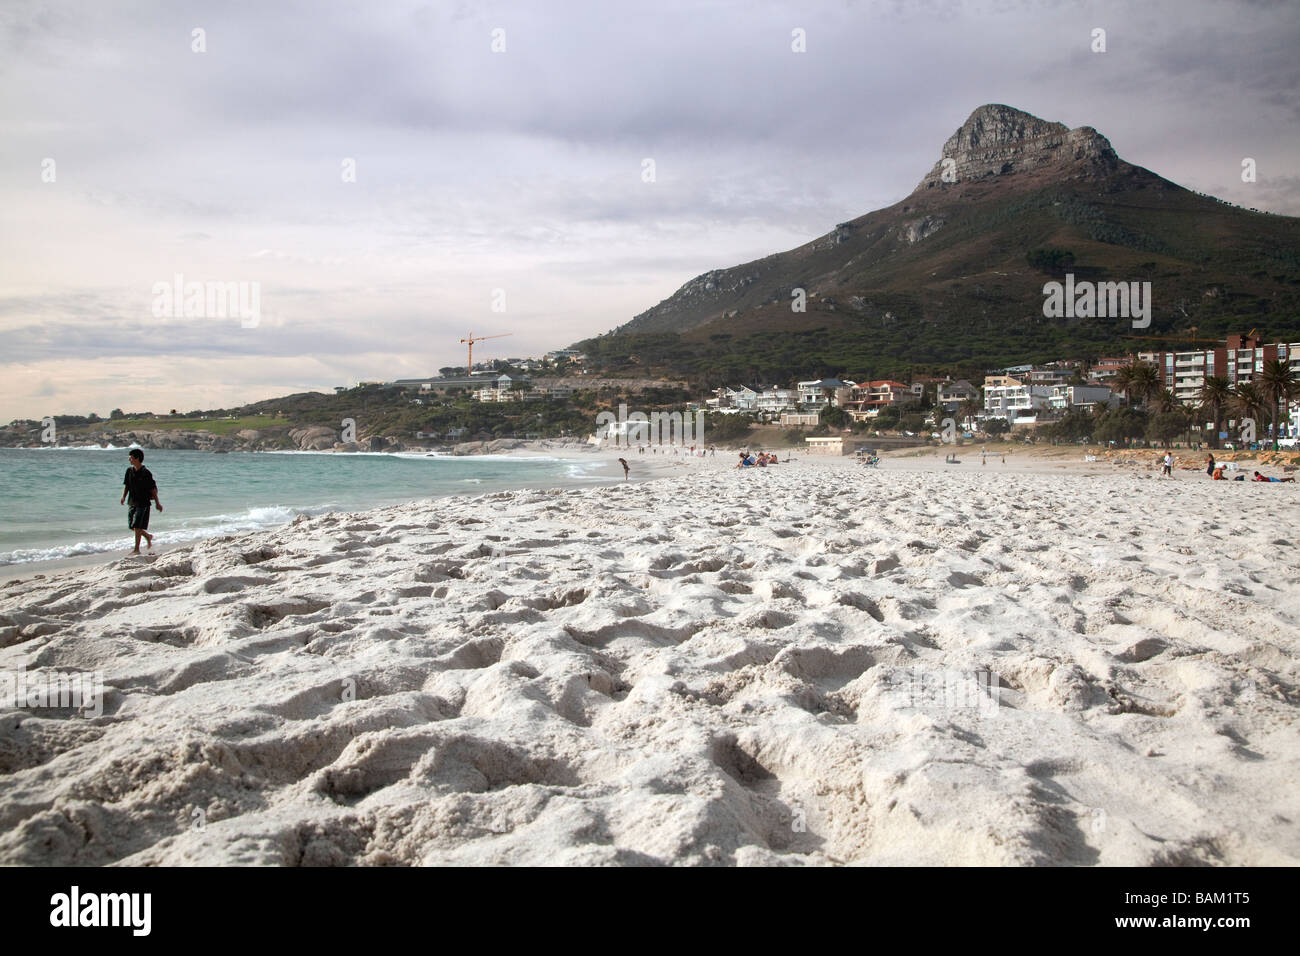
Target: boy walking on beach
[(140, 486)]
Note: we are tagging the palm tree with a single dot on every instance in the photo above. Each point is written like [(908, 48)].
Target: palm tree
[(1277, 385), (1122, 380), (1247, 402), (1215, 395), (1165, 401), (1143, 381)]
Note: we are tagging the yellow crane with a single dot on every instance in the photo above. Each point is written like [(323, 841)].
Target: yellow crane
[(469, 361), (1176, 338)]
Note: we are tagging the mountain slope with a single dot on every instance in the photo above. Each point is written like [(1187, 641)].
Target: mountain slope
[(943, 278)]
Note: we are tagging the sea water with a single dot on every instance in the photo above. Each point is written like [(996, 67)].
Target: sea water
[(62, 502)]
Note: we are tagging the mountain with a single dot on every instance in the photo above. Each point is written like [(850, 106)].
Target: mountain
[(952, 276)]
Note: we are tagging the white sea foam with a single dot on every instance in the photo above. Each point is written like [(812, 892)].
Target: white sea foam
[(191, 529)]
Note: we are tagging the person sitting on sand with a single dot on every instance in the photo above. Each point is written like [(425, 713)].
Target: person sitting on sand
[(1217, 474), (143, 490)]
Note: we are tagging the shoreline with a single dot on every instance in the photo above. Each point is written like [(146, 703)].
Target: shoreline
[(1019, 459), (26, 570)]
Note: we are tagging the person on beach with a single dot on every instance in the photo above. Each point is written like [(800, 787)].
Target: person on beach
[(1209, 465), (1259, 477), (142, 490), (623, 462), (1168, 466)]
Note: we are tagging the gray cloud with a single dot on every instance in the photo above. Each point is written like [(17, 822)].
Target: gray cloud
[(522, 170)]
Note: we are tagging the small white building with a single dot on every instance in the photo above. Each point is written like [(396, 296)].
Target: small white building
[(829, 445)]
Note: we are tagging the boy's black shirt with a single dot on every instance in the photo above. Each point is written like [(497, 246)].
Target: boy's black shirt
[(139, 486)]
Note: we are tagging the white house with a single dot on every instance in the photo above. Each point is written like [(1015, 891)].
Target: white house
[(1016, 401)]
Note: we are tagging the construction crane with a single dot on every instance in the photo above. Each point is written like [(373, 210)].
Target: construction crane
[(469, 361), (1176, 338)]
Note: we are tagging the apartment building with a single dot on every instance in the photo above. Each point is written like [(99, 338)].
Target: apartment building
[(1241, 359)]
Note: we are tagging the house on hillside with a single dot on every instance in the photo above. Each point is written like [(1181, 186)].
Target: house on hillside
[(952, 394)]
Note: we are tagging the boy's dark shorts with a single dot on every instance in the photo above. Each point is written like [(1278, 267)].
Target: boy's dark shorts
[(137, 516)]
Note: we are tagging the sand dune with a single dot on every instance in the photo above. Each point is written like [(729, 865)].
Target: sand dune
[(788, 665)]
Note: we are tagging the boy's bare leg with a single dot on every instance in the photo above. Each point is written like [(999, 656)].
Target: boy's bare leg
[(137, 541), (148, 537)]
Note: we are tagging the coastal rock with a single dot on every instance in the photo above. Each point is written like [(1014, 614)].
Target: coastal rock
[(315, 438)]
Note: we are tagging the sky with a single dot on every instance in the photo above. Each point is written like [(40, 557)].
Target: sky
[(390, 177)]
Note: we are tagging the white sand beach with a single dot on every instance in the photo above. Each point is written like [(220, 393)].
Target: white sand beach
[(788, 665)]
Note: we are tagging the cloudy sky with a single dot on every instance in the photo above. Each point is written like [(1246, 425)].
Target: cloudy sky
[(515, 176)]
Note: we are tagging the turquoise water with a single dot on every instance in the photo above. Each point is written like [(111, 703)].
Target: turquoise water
[(61, 502)]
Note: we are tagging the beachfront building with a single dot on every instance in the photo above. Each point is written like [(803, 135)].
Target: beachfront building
[(774, 401), (1070, 397), (867, 399), (954, 393), (823, 392), (1018, 404), (800, 418), (833, 445), (1240, 359)]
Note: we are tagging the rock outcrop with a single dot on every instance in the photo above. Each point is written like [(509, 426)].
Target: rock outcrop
[(999, 140)]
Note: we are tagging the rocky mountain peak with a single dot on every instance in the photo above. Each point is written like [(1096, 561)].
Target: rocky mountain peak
[(999, 140)]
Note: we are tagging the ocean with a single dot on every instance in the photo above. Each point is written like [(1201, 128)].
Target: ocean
[(63, 502)]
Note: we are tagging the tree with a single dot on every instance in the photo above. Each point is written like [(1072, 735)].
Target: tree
[(913, 422), (970, 408), (1167, 425), (1049, 259), (727, 428), (1165, 401), (1247, 403), (834, 417), (116, 413), (888, 417), (993, 427), (1276, 385), (1138, 380), (1215, 396), (1121, 425)]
